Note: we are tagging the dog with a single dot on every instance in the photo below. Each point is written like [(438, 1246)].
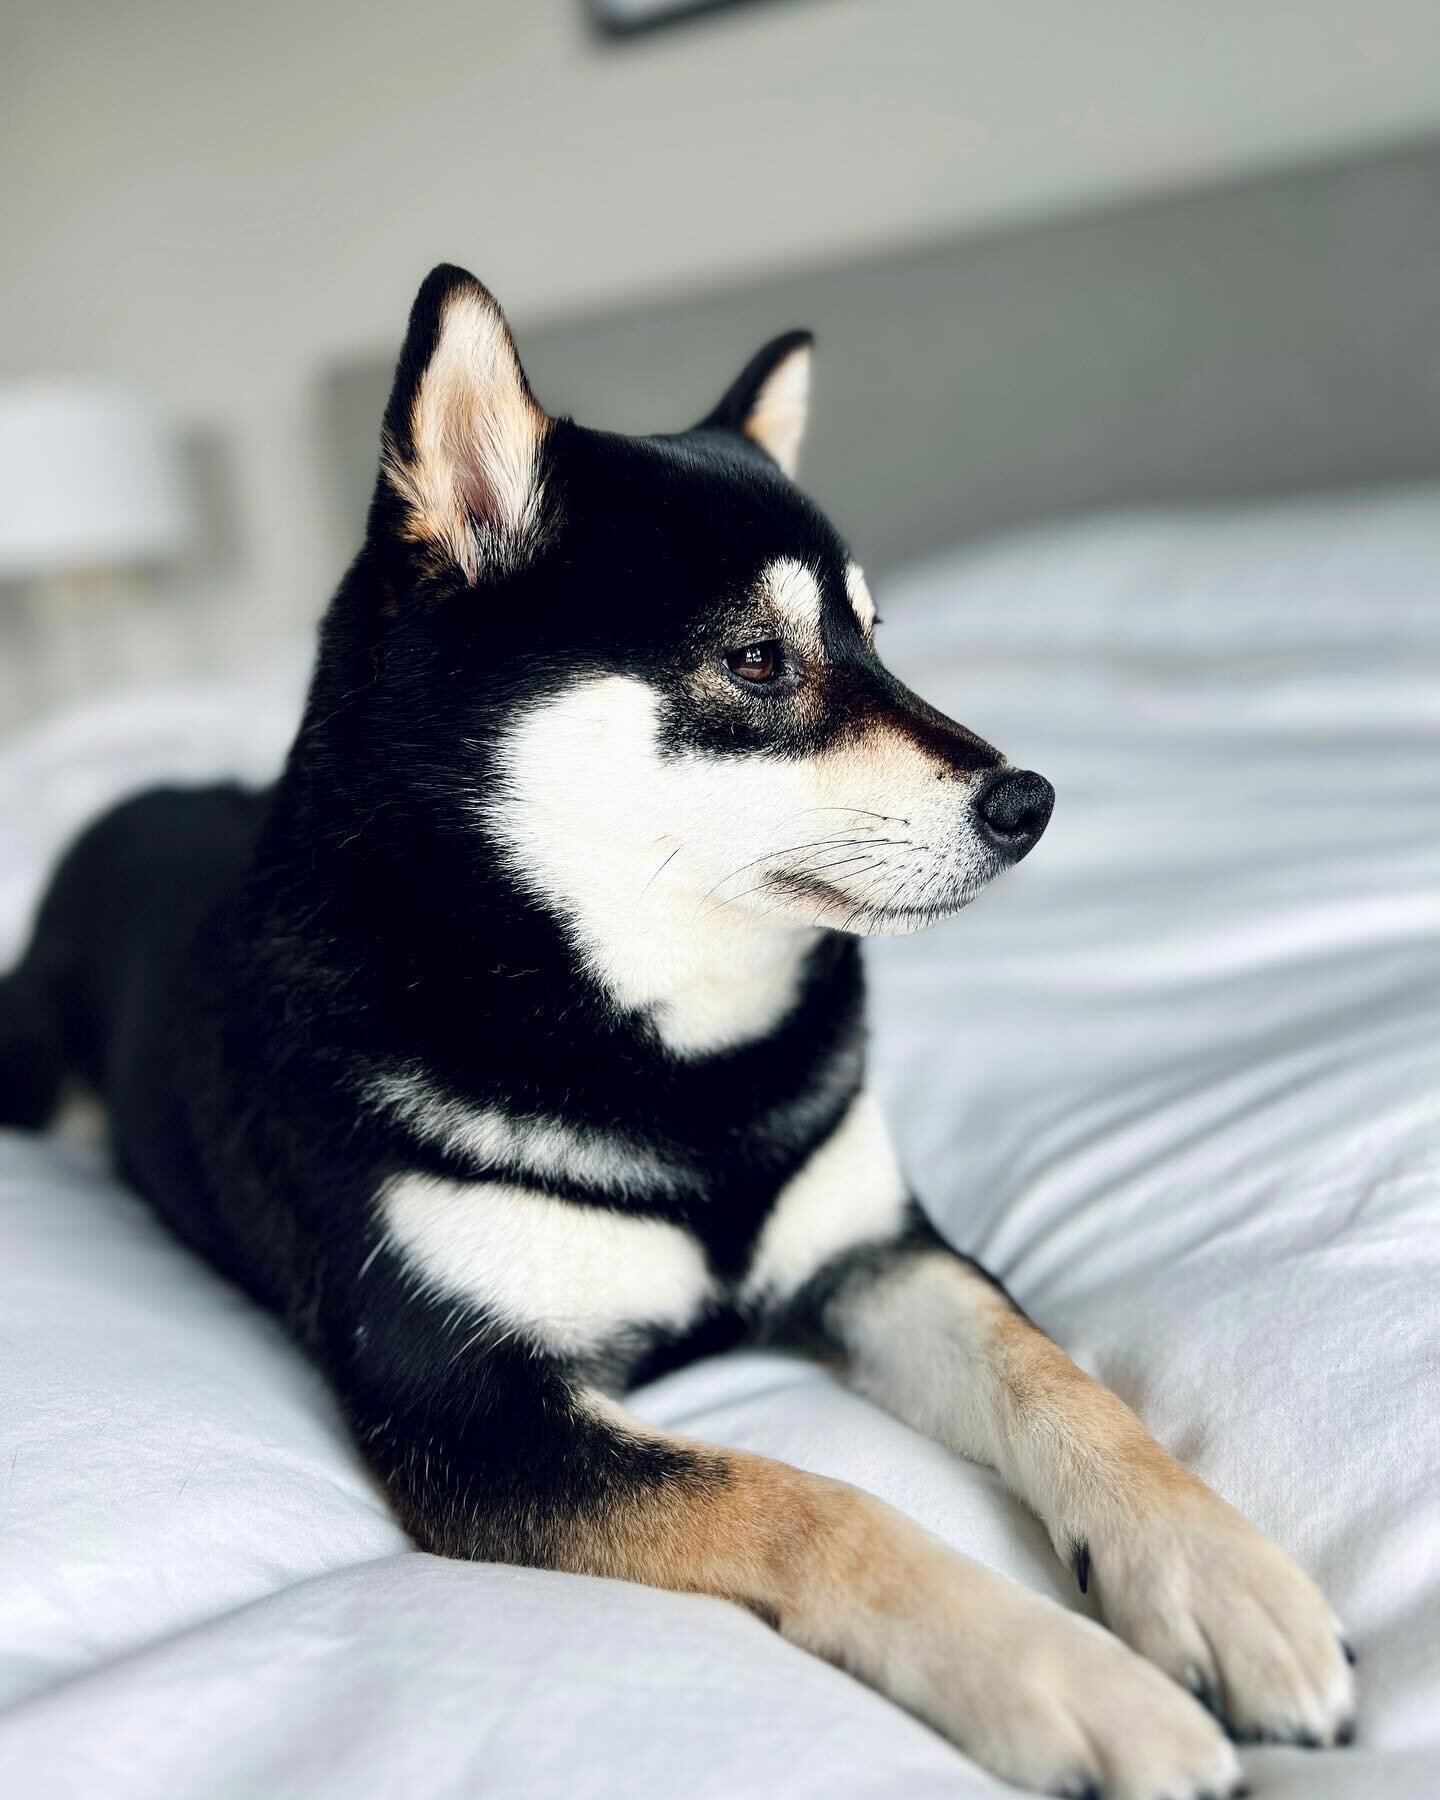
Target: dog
[(511, 1048)]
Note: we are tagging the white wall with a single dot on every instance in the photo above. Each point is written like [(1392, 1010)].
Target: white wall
[(214, 199)]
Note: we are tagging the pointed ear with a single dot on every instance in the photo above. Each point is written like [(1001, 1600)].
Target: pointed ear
[(770, 399), (464, 438)]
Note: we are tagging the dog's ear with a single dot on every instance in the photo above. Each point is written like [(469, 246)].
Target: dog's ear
[(769, 400), (462, 462)]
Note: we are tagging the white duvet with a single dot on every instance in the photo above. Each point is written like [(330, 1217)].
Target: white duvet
[(1177, 1079)]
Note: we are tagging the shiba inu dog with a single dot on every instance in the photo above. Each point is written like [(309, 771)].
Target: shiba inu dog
[(511, 1048)]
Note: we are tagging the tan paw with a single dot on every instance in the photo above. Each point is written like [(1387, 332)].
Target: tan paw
[(1053, 1702), (1201, 1593)]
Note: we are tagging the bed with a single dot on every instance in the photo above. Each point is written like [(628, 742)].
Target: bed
[(1177, 1079)]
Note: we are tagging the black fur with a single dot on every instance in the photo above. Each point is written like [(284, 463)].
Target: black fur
[(230, 970)]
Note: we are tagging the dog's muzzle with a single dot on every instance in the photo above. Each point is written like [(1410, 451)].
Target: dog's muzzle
[(1013, 809)]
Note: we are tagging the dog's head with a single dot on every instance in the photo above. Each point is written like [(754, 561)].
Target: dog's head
[(648, 665)]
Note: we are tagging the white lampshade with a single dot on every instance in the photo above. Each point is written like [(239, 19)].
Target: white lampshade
[(89, 479)]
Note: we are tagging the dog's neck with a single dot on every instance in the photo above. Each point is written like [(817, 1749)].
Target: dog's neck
[(710, 981), (711, 978), (572, 807)]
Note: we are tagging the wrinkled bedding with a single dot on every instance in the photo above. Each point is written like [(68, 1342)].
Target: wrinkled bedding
[(1177, 1079)]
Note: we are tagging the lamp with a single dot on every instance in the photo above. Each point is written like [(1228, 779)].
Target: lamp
[(89, 481), (92, 505)]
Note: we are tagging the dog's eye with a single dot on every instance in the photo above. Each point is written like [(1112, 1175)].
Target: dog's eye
[(757, 663)]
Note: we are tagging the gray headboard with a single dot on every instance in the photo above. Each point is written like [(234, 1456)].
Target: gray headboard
[(1274, 335)]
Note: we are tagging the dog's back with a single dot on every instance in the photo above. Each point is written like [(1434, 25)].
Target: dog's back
[(109, 943)]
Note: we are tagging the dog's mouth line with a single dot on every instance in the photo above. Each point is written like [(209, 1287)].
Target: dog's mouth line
[(810, 889)]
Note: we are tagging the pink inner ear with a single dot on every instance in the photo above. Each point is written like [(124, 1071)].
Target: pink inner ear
[(495, 455), (472, 483)]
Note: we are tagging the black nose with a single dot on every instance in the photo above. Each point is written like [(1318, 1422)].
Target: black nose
[(1014, 809)]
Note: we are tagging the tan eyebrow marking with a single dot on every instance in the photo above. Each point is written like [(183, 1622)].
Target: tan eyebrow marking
[(794, 592)]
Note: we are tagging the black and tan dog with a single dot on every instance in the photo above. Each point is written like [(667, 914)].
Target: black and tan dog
[(511, 1048)]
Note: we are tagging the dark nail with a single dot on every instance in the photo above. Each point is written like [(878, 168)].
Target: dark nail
[(1204, 1693), (1082, 1567)]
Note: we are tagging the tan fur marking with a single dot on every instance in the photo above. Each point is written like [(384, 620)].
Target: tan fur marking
[(793, 591), (896, 754), (996, 1388), (754, 1536), (1092, 1438), (821, 1561), (882, 783), (773, 1537), (1178, 1573), (1001, 1671)]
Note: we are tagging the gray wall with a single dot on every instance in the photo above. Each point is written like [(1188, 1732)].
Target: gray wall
[(219, 204), (217, 201), (1278, 334)]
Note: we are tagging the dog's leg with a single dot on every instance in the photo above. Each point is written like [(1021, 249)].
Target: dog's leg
[(1179, 1574), (563, 1479)]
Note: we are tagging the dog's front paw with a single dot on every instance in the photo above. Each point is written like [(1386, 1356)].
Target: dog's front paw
[(1200, 1592), (1053, 1702)]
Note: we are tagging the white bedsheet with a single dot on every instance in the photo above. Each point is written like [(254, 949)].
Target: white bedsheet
[(1177, 1079)]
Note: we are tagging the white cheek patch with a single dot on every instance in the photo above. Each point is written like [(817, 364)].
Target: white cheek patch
[(626, 847), (694, 886), (571, 1277), (546, 1148), (851, 1192), (857, 590)]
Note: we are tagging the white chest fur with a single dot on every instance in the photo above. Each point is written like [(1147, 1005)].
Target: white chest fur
[(542, 1149), (851, 1192), (570, 1277)]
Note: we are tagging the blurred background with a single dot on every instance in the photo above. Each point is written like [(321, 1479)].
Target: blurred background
[(1058, 256)]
